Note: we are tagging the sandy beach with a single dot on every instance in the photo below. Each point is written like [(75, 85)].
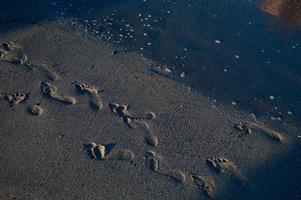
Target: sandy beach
[(83, 119)]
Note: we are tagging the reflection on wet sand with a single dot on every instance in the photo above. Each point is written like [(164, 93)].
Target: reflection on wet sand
[(290, 10)]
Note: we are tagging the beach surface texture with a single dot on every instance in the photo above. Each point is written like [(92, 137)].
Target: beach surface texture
[(80, 119)]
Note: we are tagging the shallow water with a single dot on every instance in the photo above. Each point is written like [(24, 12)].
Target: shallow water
[(230, 50)]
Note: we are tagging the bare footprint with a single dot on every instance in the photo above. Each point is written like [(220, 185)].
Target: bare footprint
[(205, 186), (131, 120), (150, 136), (9, 46), (250, 127), (177, 175), (223, 165), (106, 152), (153, 161), (272, 134), (53, 92), (12, 53), (35, 109), (122, 111), (122, 154), (16, 98), (50, 73), (95, 99)]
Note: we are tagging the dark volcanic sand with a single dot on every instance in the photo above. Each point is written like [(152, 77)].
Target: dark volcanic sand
[(42, 157)]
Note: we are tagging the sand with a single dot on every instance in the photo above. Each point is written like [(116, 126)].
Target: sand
[(45, 155)]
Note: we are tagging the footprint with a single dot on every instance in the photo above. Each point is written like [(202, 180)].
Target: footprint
[(105, 152), (53, 92), (47, 71), (12, 53), (99, 151), (205, 186), (6, 46), (223, 165), (16, 98), (177, 175), (9, 46), (95, 99), (153, 161), (150, 137), (35, 109), (122, 111), (249, 127), (130, 120), (274, 135), (50, 73), (123, 154)]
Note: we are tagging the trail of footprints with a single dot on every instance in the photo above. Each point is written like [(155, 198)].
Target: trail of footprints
[(12, 53)]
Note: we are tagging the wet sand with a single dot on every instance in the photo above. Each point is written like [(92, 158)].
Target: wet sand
[(74, 150)]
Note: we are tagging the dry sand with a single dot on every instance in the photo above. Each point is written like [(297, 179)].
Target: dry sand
[(44, 155)]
